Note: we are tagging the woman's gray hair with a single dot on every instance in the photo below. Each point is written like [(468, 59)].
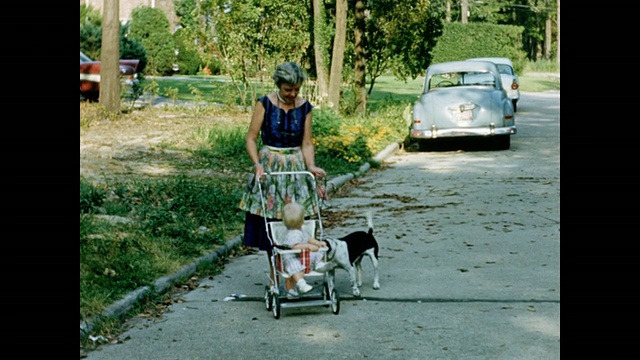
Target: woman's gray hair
[(288, 73)]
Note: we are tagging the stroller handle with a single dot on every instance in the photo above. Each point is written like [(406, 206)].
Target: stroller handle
[(314, 197)]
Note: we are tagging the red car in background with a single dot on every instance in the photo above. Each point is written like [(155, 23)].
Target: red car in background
[(90, 76)]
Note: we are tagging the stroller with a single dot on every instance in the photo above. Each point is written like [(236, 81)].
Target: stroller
[(275, 295)]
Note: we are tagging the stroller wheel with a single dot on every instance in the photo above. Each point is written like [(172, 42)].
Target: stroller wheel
[(326, 293), (335, 302), (267, 297), (275, 306)]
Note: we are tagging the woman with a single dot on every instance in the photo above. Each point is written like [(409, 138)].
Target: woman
[(284, 121)]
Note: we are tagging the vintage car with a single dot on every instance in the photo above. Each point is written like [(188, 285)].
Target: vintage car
[(510, 80), (463, 99), (90, 76)]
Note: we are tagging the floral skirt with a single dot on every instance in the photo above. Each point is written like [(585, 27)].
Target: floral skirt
[(277, 191)]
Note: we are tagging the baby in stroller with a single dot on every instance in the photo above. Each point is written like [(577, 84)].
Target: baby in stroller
[(296, 238)]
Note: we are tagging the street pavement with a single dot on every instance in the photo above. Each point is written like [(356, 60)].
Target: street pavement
[(469, 267)]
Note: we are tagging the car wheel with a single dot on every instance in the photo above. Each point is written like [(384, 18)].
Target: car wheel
[(515, 107), (502, 142)]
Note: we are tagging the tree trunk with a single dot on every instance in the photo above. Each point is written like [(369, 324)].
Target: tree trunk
[(335, 79), (360, 62), (547, 34), (110, 57), (558, 54), (464, 11), (321, 60)]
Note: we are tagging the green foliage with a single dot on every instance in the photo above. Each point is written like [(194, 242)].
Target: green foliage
[(132, 48), (462, 41), (173, 221), (227, 142), (326, 122), (151, 27), (91, 42), (90, 15), (91, 197), (91, 39), (188, 59), (543, 66), (171, 93), (251, 40), (401, 36)]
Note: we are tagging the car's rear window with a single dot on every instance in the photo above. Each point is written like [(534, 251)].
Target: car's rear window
[(505, 69), (470, 78)]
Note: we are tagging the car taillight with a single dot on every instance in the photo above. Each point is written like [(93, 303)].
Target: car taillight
[(514, 85)]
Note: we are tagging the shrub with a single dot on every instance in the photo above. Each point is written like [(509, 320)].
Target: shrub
[(151, 27), (188, 59), (463, 41)]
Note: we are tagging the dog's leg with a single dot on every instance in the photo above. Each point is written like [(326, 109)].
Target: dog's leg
[(354, 283), (358, 265), (374, 263)]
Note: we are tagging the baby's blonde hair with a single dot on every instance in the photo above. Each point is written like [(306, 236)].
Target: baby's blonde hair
[(293, 215)]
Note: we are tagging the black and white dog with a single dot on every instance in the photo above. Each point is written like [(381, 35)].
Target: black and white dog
[(347, 253)]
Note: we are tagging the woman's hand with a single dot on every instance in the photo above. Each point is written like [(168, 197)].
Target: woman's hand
[(259, 170), (317, 172)]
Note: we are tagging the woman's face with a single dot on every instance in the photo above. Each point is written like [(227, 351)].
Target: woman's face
[(289, 92)]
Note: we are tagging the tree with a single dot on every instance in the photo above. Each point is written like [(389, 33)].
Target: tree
[(339, 39), (360, 60), (400, 37), (110, 61), (321, 42)]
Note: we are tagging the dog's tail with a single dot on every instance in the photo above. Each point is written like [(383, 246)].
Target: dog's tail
[(369, 216)]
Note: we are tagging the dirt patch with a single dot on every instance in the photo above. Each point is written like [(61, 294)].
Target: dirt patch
[(144, 143)]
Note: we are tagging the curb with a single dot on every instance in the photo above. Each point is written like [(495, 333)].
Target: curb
[(163, 284)]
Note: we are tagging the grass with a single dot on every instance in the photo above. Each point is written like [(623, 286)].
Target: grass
[(387, 88), (134, 230)]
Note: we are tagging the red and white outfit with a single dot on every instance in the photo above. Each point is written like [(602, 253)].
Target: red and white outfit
[(291, 262)]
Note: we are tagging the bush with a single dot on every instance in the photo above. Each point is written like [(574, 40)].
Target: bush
[(463, 41), (188, 60), (151, 27)]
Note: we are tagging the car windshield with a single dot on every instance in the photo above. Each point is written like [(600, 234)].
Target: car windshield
[(84, 58), (464, 78)]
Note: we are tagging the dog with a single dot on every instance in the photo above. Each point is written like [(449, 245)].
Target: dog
[(347, 253)]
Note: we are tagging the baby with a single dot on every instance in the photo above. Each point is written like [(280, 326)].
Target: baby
[(296, 238)]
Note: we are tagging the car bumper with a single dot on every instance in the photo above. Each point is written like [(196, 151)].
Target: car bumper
[(462, 132)]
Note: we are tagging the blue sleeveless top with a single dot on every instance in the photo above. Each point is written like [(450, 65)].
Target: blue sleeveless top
[(281, 128)]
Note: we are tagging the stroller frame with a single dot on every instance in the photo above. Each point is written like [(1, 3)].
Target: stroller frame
[(275, 294)]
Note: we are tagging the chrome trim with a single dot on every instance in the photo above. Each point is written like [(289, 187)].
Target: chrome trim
[(459, 132)]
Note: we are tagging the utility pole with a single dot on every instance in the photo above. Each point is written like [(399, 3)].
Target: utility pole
[(110, 57)]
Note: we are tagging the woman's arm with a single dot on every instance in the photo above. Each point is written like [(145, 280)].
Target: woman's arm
[(308, 149), (252, 137)]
